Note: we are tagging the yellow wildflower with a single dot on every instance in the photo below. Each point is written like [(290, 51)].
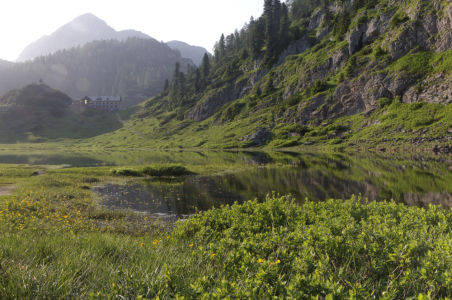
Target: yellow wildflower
[(167, 237), (259, 261), (278, 261), (155, 242), (142, 244), (191, 245), (213, 255)]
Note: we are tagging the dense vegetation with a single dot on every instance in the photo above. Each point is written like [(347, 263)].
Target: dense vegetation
[(99, 68)]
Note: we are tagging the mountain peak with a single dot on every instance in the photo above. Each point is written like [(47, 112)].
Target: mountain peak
[(83, 29)]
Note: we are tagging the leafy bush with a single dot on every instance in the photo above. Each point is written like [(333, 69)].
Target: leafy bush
[(125, 172), (379, 52), (165, 170), (362, 20), (423, 121), (341, 248), (382, 102), (416, 105)]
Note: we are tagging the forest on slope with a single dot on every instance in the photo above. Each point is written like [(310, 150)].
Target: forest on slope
[(315, 72), (108, 67)]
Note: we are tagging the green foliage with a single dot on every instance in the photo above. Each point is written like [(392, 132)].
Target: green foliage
[(400, 17), (379, 52), (382, 102), (362, 19), (423, 121), (414, 63), (167, 169), (125, 172), (341, 241)]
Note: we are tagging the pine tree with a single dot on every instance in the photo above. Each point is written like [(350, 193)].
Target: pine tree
[(197, 80), (222, 46), (284, 27), (181, 87), (269, 87), (205, 65), (257, 38), (236, 41), (176, 71), (166, 85)]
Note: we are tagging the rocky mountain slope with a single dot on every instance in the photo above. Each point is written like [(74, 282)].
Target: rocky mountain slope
[(83, 29), (347, 74), (375, 72), (195, 53)]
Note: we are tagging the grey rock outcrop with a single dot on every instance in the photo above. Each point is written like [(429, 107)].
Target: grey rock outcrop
[(216, 98)]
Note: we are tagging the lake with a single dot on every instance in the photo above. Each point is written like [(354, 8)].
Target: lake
[(413, 179)]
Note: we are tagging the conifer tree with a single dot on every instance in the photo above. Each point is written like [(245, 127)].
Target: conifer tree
[(284, 27), (181, 87), (197, 80), (222, 46), (166, 85), (269, 87), (205, 65)]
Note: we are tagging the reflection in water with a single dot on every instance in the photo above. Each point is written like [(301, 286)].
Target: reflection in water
[(414, 181), (409, 178)]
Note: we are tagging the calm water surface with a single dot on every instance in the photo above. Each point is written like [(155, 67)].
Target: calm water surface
[(416, 180)]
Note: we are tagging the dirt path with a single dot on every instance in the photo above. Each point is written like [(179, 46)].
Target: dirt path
[(127, 124)]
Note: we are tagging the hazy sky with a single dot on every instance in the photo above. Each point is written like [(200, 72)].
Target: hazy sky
[(197, 22)]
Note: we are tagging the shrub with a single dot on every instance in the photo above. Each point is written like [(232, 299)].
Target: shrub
[(379, 52), (362, 20), (125, 172), (322, 248), (423, 121), (382, 102), (416, 105), (165, 170)]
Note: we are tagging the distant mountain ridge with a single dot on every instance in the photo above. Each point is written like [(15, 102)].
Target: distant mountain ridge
[(83, 29), (5, 63), (195, 53)]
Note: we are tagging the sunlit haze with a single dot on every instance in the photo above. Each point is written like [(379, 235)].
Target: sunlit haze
[(196, 22)]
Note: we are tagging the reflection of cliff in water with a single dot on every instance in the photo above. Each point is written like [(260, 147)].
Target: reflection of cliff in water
[(314, 177)]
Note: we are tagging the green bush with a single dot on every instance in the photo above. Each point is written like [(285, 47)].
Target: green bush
[(125, 172), (416, 105), (165, 170), (337, 249), (362, 20), (423, 121), (382, 102)]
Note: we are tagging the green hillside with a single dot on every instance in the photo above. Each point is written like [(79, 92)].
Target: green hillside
[(365, 73), (311, 74), (39, 114)]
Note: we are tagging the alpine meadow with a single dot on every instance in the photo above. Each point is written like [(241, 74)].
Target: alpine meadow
[(308, 156)]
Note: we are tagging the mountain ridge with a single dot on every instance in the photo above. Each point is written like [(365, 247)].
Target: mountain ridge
[(196, 53), (81, 30)]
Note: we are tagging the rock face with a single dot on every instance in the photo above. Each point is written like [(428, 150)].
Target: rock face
[(83, 29), (216, 98), (295, 48), (259, 137)]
